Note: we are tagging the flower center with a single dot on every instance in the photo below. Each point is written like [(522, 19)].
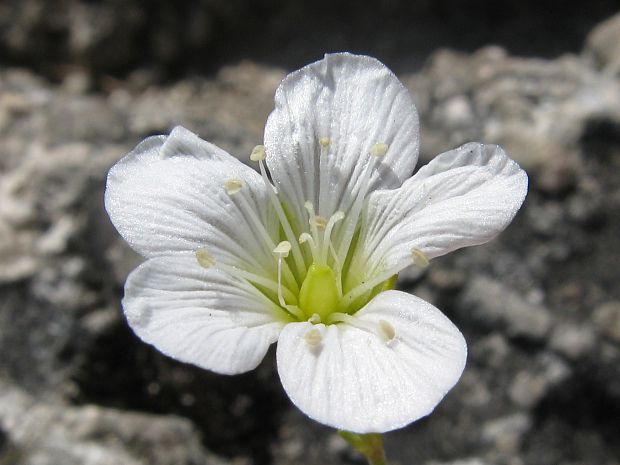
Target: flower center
[(315, 279)]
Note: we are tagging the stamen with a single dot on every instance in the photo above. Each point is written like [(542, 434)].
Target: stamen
[(313, 338), (324, 142), (300, 264), (205, 259), (335, 218), (315, 319), (296, 312), (419, 259), (338, 270), (378, 150), (267, 283), (308, 206), (232, 186), (249, 212), (258, 153), (348, 230), (350, 226), (366, 286), (313, 227), (386, 331), (305, 237), (318, 221), (383, 329), (282, 250)]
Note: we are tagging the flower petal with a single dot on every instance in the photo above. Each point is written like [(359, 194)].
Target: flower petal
[(199, 316), (169, 195), (463, 197), (351, 103), (356, 381)]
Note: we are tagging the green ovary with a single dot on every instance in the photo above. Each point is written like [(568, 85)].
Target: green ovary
[(319, 292)]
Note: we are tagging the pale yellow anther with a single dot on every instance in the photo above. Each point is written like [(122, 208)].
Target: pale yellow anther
[(304, 237), (313, 337), (205, 259), (315, 319), (378, 150), (232, 186), (258, 153), (324, 142), (419, 259), (318, 221), (386, 331), (282, 249)]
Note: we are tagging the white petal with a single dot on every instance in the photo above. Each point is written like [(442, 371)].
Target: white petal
[(463, 197), (199, 316), (169, 196), (356, 381), (354, 102)]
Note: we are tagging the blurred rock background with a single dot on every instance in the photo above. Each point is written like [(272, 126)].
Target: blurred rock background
[(81, 82)]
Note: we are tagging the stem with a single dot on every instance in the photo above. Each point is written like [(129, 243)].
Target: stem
[(369, 445)]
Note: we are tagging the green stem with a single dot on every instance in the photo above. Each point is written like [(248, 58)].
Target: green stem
[(369, 445)]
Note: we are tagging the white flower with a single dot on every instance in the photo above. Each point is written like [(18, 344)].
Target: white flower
[(234, 264)]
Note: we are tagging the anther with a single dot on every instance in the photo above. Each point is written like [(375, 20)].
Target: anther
[(315, 319), (324, 142), (318, 221), (258, 153), (419, 259), (313, 337), (282, 249), (378, 150), (386, 331), (304, 237), (205, 259), (232, 186)]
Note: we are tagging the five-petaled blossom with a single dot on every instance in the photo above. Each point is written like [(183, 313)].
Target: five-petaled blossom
[(306, 252)]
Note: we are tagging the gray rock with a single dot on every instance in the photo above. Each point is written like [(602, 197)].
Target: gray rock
[(490, 304), (531, 385), (540, 361), (603, 44), (537, 111), (50, 433), (572, 340), (506, 434), (492, 350), (607, 319), (467, 461)]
